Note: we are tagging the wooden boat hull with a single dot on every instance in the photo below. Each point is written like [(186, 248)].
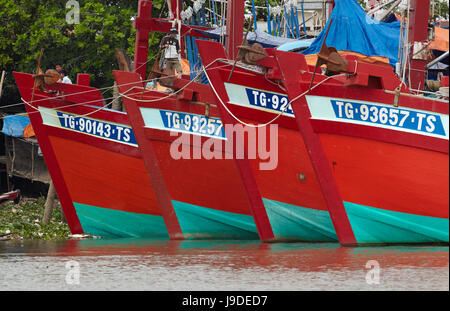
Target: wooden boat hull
[(202, 198), (290, 192), (393, 180), (393, 192), (394, 184), (388, 153), (98, 173)]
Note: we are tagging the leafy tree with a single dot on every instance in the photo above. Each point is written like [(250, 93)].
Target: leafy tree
[(440, 10), (26, 26), (363, 3)]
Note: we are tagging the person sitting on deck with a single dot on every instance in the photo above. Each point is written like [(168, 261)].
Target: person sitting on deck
[(171, 52), (64, 77), (58, 68)]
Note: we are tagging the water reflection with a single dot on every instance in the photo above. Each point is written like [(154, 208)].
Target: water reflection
[(221, 265)]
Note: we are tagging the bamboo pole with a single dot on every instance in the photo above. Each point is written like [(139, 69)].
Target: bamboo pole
[(49, 204), (117, 104), (37, 72), (1, 82)]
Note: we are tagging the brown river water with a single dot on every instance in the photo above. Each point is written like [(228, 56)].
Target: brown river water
[(153, 265)]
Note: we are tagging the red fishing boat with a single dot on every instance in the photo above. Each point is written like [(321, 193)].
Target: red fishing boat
[(291, 193), (94, 161), (92, 154), (201, 198), (224, 195), (97, 168), (144, 190), (379, 152)]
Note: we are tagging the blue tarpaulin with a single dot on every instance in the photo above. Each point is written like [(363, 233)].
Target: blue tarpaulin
[(296, 45), (14, 125), (353, 30)]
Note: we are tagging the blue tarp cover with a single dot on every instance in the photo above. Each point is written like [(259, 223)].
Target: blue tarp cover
[(298, 44), (353, 30), (14, 125)]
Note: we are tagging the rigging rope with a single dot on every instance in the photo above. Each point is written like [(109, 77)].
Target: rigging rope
[(274, 119), (97, 100)]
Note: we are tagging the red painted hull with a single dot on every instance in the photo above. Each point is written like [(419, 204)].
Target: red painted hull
[(296, 181), (394, 172), (196, 182), (86, 170), (398, 178)]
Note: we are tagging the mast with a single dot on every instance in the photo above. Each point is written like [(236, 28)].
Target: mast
[(176, 7), (144, 23), (173, 6), (418, 35), (142, 33), (235, 27)]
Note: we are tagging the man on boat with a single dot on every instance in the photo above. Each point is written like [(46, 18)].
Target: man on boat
[(58, 68), (64, 77), (170, 52)]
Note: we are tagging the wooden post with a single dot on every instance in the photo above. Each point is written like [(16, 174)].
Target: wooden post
[(235, 27), (1, 82), (49, 204), (420, 12), (8, 182), (124, 65), (63, 216), (117, 103), (142, 33)]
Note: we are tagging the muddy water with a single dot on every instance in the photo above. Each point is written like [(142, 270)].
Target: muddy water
[(91, 265)]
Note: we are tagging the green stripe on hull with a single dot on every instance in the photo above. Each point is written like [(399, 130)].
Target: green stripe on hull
[(374, 225), (199, 222), (369, 224), (111, 223), (293, 222)]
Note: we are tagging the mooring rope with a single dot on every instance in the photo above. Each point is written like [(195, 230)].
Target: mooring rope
[(279, 114), (175, 92), (204, 69), (84, 92)]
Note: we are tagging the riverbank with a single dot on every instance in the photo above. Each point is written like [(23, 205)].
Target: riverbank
[(24, 221)]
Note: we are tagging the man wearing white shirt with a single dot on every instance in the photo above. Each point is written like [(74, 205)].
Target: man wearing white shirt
[(64, 78), (171, 51)]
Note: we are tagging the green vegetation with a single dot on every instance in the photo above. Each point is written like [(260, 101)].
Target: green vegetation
[(23, 221), (26, 26), (440, 9)]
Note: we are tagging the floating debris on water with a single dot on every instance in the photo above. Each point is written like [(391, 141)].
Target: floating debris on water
[(24, 221)]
